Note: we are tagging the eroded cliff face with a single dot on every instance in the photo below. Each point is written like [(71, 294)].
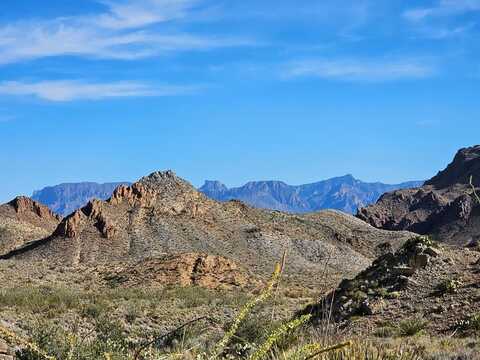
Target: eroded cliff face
[(189, 269), (444, 206), (23, 220)]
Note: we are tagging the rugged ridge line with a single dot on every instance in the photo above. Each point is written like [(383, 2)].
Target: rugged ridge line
[(443, 207), (163, 214), (343, 193)]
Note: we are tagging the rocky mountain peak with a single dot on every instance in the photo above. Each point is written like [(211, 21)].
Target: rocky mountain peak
[(162, 191), (158, 185), (24, 205), (465, 164), (213, 186)]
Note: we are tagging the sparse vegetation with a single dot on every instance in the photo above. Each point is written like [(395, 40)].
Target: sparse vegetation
[(448, 286), (411, 327), (470, 324)]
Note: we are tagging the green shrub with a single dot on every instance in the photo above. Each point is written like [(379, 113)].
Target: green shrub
[(448, 286), (385, 332), (411, 327)]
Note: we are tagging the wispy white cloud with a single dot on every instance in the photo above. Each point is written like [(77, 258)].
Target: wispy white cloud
[(444, 8), (140, 13), (443, 32), (122, 32), (359, 70), (69, 90)]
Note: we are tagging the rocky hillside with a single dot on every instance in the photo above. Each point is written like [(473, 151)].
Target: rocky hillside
[(444, 207), (163, 215), (64, 199), (190, 269), (23, 220), (341, 193), (420, 287)]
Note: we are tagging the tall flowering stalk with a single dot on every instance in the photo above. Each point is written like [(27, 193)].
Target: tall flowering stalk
[(266, 293)]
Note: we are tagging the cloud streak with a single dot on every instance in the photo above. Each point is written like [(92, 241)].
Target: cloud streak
[(70, 90), (124, 32), (443, 9), (358, 70)]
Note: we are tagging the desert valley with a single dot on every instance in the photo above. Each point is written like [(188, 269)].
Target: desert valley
[(124, 276)]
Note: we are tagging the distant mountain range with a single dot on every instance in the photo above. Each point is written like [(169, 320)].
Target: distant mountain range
[(64, 199), (341, 193)]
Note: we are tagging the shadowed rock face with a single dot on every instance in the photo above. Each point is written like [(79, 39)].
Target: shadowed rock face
[(163, 214), (443, 207), (23, 220), (465, 164)]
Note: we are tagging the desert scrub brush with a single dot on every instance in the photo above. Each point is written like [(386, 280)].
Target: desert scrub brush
[(13, 338), (278, 334), (247, 308), (313, 350)]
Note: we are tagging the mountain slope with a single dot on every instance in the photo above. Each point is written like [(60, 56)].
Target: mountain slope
[(443, 207), (342, 193), (438, 285), (163, 214), (23, 220), (64, 199)]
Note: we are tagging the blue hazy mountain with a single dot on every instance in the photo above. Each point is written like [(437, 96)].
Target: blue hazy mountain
[(64, 199), (342, 193)]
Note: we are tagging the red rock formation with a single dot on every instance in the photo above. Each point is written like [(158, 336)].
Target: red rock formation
[(23, 220), (92, 211), (26, 207)]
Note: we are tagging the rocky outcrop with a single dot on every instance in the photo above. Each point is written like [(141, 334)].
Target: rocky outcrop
[(31, 211), (191, 269), (26, 207), (465, 164), (443, 207), (23, 220), (93, 212), (387, 275), (422, 280)]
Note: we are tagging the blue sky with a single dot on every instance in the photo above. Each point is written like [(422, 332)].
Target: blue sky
[(235, 90)]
